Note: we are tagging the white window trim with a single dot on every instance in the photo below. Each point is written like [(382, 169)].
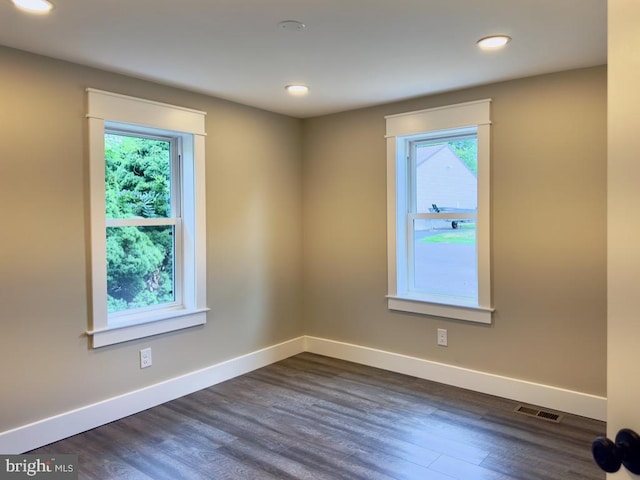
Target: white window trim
[(106, 108), (458, 116)]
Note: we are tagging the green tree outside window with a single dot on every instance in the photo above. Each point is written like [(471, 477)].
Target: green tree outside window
[(140, 259)]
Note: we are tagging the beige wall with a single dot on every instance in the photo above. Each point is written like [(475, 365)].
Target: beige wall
[(548, 234), (275, 274), (253, 225)]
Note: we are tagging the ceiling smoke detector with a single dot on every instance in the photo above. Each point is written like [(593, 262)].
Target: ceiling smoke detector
[(292, 25)]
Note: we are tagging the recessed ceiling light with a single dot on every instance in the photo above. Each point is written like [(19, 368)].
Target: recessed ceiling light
[(494, 41), (34, 6), (297, 89)]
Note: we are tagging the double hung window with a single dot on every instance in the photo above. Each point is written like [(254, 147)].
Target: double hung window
[(438, 212), (143, 221), (147, 217)]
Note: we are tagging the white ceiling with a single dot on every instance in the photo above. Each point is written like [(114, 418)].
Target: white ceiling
[(352, 53)]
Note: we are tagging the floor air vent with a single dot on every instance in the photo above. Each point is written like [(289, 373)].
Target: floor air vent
[(534, 412)]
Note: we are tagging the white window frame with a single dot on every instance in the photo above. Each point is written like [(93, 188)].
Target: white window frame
[(401, 129), (108, 111), (174, 220)]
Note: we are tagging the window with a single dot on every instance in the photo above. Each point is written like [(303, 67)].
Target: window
[(143, 220), (438, 212), (148, 251)]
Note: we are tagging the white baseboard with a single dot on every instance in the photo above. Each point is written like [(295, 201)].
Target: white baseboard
[(560, 399), (52, 429)]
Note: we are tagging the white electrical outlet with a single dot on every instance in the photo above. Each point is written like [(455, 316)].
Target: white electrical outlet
[(145, 358), (442, 337)]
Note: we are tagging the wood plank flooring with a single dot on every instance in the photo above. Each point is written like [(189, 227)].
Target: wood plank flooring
[(313, 417)]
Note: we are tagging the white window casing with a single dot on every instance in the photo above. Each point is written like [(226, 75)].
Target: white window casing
[(399, 129), (109, 110)]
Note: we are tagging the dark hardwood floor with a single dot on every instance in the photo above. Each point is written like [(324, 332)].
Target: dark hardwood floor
[(313, 417)]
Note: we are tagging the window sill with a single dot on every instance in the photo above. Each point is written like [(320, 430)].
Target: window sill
[(175, 320), (470, 313)]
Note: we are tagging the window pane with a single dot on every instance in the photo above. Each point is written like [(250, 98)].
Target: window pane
[(446, 175), (140, 267), (137, 177), (444, 258)]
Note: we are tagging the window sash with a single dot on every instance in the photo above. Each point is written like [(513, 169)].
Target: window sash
[(410, 269), (130, 315), (415, 213), (174, 219), (143, 222), (175, 152)]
